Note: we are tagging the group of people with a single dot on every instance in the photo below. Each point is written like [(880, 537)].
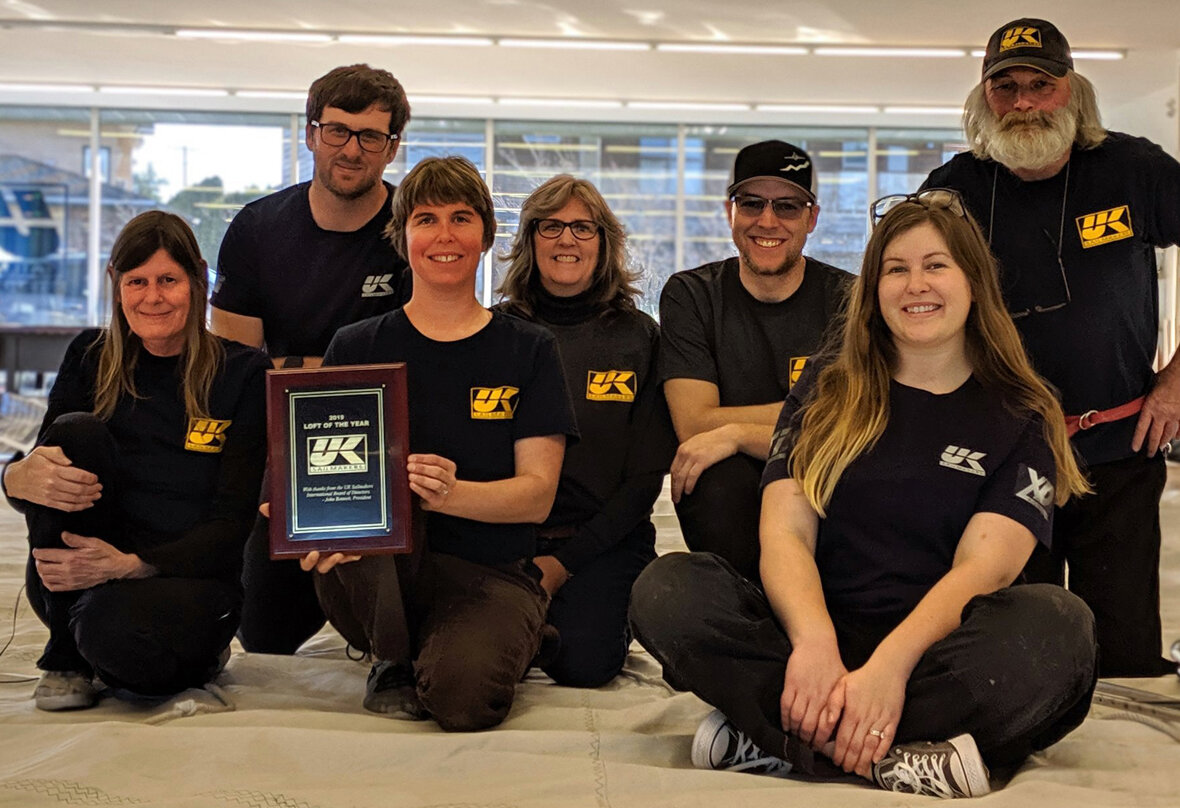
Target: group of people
[(863, 467)]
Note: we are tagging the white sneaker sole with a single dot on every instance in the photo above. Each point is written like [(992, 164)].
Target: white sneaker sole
[(702, 742), (973, 768)]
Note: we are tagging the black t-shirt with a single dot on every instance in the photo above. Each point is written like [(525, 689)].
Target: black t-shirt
[(896, 515), (714, 330), (612, 476), (302, 281), (1122, 201), (189, 490), (470, 401)]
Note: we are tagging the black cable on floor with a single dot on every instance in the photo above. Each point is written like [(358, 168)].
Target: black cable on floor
[(14, 678)]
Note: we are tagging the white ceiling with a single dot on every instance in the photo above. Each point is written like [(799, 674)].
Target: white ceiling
[(32, 50)]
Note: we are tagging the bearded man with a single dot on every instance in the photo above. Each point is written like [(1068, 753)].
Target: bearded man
[(735, 335), (1073, 213)]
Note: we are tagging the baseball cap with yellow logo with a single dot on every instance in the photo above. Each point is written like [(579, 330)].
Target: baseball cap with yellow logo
[(1028, 42)]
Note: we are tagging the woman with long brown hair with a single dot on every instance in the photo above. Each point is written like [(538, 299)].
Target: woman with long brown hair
[(902, 497), (141, 490)]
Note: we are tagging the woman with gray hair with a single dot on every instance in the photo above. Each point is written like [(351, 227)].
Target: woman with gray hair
[(567, 271)]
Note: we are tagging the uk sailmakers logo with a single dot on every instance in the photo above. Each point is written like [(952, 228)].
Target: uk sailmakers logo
[(338, 454), (1105, 226), (1035, 490), (1020, 36), (377, 285), (610, 385), (493, 403), (797, 365), (960, 458), (205, 435)]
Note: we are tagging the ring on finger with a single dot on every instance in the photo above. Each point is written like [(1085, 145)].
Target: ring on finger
[(876, 733), (446, 490)]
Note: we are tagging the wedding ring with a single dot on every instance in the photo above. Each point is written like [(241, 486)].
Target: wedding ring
[(876, 733), (446, 490)]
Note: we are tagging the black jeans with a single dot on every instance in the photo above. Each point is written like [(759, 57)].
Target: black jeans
[(1111, 543), (1017, 674), (152, 636), (590, 610), (721, 514)]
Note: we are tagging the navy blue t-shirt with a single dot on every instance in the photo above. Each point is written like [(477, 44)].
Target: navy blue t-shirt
[(470, 401), (896, 515)]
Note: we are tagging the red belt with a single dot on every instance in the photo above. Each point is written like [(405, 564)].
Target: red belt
[(1074, 423)]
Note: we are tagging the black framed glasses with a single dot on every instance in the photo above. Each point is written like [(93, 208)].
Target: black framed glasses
[(1037, 308), (786, 208), (582, 229), (370, 140), (931, 198)]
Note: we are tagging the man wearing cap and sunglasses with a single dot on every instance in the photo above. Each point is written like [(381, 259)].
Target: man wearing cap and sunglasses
[(300, 263), (735, 334), (1073, 212)]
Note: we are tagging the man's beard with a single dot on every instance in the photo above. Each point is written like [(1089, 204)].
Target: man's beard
[(346, 194), (785, 266), (1030, 140)]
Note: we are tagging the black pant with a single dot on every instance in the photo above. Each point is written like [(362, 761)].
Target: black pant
[(721, 514), (153, 636), (280, 611), (1017, 674), (590, 610), (1111, 542)]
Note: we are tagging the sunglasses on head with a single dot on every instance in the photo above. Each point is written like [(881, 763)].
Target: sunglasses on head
[(931, 199)]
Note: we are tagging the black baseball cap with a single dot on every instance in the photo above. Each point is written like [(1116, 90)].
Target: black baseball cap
[(774, 160), (1028, 42)]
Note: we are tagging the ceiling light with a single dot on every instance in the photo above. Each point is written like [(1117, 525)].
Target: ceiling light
[(720, 47), (575, 44), (193, 91), (409, 39), (283, 94), (907, 52), (450, 99), (252, 36), (595, 103), (1099, 54), (690, 105), (839, 108), (899, 110), (17, 87)]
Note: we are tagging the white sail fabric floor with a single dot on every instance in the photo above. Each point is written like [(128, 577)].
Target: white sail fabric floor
[(289, 732)]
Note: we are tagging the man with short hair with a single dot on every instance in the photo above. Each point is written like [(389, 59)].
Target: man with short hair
[(735, 335), (297, 265), (1073, 213)]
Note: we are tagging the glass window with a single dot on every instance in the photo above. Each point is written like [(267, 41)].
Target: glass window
[(44, 210), (201, 166)]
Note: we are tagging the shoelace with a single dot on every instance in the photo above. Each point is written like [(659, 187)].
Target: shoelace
[(922, 774), (748, 756)]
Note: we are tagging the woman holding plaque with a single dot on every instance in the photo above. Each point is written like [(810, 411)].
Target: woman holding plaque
[(452, 627), (902, 497), (568, 271), (142, 487)]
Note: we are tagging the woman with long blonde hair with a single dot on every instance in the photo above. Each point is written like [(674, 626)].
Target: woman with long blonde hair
[(903, 495)]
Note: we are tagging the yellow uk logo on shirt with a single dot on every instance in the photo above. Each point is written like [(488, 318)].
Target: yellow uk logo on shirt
[(610, 385), (205, 435), (493, 403), (1105, 226), (797, 365), (1022, 36)]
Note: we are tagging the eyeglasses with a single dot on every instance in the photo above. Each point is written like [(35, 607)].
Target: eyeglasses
[(581, 229), (786, 208), (337, 134), (931, 199), (1007, 90)]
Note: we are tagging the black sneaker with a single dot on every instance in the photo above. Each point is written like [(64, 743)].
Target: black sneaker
[(718, 744), (949, 769), (391, 691)]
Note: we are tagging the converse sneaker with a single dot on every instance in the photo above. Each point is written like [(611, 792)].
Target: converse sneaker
[(949, 769), (718, 744), (391, 691), (64, 690)]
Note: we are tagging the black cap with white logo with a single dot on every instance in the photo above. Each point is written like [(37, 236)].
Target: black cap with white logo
[(1028, 42), (774, 160)]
